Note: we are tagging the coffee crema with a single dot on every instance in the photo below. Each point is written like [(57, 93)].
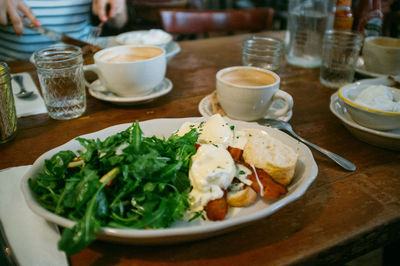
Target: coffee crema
[(132, 54), (248, 77)]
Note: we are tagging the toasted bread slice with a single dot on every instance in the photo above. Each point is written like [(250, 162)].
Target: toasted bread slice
[(241, 198), (274, 157)]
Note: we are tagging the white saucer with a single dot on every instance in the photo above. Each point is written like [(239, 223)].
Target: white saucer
[(385, 139), (360, 68), (98, 91), (205, 109)]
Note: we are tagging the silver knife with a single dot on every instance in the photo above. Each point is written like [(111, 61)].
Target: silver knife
[(57, 36), (88, 50)]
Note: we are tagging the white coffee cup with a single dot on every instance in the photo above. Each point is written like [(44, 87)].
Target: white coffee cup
[(247, 93), (130, 70), (382, 55)]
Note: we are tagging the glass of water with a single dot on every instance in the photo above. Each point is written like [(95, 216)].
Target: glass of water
[(60, 71), (340, 52), (262, 52), (307, 22)]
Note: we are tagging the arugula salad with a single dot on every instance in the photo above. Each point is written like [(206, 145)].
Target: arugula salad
[(125, 181)]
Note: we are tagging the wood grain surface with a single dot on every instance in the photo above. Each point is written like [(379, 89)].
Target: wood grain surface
[(342, 215)]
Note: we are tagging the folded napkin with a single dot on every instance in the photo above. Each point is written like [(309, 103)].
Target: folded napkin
[(32, 239), (28, 106)]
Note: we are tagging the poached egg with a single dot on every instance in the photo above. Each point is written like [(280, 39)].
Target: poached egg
[(214, 130), (211, 172)]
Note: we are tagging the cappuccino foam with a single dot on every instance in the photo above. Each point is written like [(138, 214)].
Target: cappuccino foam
[(248, 77), (132, 54)]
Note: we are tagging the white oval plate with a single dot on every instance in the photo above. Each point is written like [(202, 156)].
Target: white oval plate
[(305, 173)]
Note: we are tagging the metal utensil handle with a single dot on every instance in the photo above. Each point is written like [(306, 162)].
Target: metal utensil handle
[(53, 35), (338, 159), (20, 83), (6, 252)]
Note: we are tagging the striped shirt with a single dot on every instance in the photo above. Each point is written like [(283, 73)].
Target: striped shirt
[(71, 17)]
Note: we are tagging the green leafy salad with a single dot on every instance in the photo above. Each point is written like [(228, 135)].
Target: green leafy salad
[(125, 181)]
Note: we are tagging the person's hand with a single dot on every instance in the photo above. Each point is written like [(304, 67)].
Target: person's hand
[(11, 8), (99, 8)]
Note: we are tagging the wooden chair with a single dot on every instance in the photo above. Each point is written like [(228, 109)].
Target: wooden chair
[(147, 12), (184, 21)]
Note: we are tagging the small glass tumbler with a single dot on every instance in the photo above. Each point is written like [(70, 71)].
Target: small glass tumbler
[(262, 52), (340, 52), (8, 113), (60, 71)]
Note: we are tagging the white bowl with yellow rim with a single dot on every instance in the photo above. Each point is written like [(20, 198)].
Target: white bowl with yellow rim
[(367, 116)]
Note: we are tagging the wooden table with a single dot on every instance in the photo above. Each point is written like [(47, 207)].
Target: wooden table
[(342, 215)]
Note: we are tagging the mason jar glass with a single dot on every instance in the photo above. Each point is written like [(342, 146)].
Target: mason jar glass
[(8, 113), (262, 52), (60, 71), (340, 51)]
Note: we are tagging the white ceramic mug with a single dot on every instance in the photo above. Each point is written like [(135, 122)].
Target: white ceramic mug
[(129, 70), (247, 93), (382, 55)]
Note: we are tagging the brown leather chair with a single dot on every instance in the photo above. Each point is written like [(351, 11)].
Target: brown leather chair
[(184, 21)]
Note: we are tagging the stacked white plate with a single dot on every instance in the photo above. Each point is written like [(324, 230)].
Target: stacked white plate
[(389, 139)]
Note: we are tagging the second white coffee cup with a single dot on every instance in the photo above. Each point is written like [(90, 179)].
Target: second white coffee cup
[(130, 70), (247, 93), (382, 55)]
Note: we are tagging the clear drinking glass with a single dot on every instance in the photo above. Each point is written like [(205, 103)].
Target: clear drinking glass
[(307, 22), (340, 55), (262, 52), (60, 71)]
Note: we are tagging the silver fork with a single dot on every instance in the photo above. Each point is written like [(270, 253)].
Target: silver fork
[(95, 33), (288, 128), (97, 30)]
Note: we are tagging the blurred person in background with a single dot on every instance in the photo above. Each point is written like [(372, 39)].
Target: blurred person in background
[(71, 17)]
